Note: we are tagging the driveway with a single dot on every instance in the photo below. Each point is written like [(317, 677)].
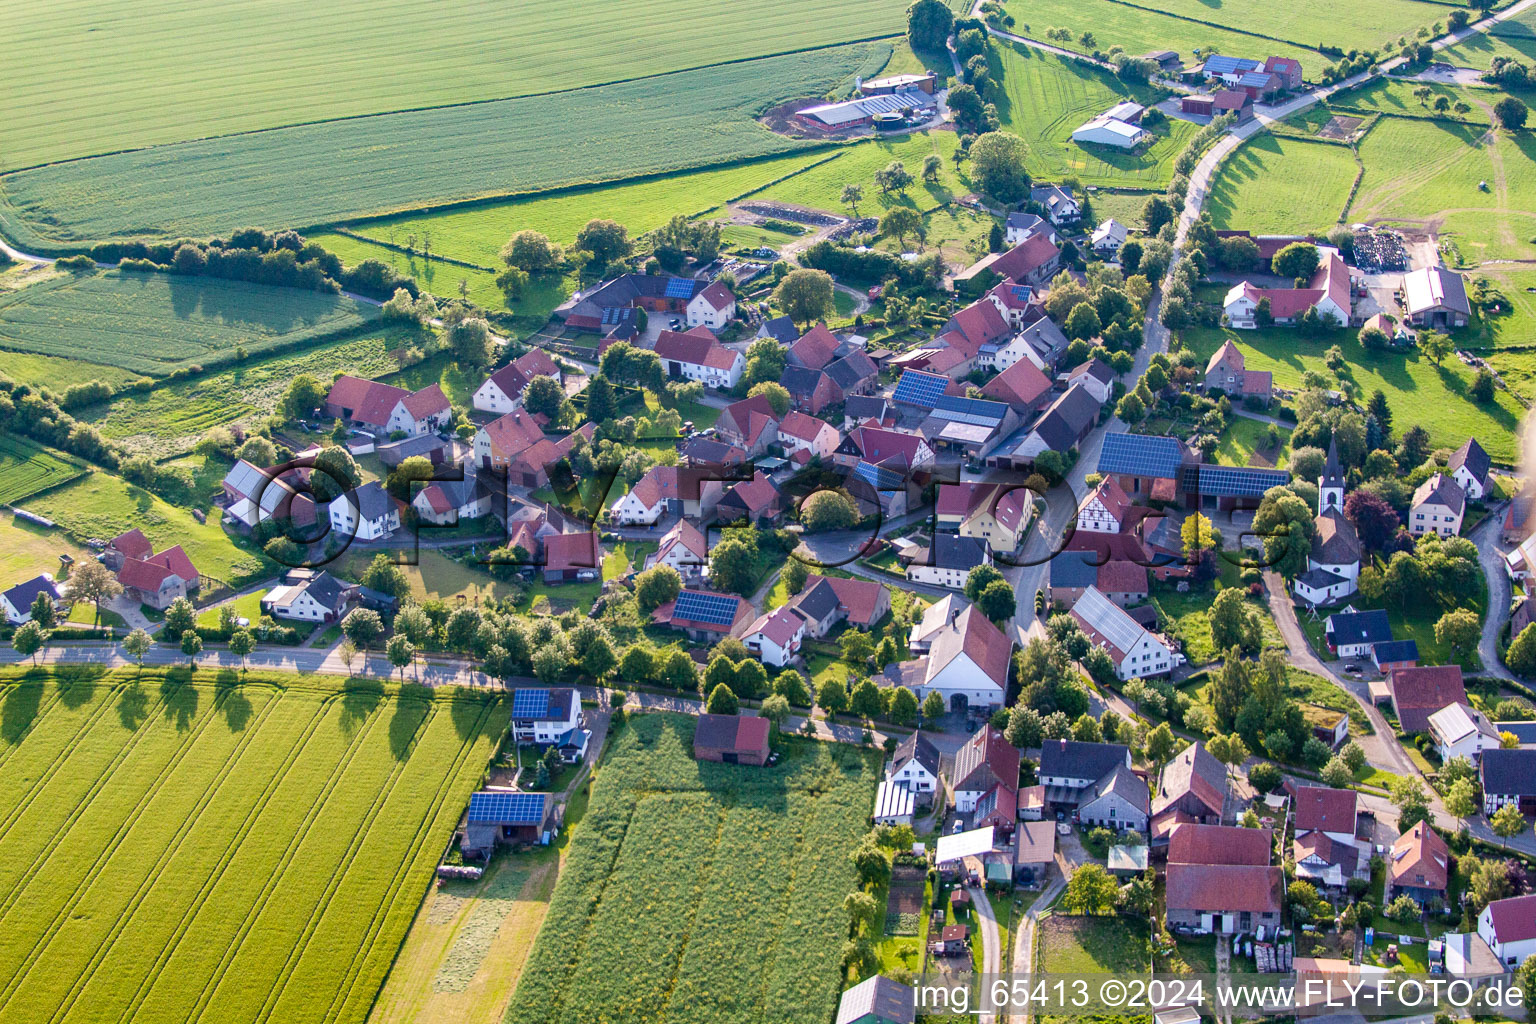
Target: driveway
[(1490, 555), (991, 941), (1029, 927)]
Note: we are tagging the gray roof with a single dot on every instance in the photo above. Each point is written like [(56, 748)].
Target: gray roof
[(951, 551), (780, 329), (1125, 784), (372, 501), (800, 380), (867, 407), (1359, 627), (1509, 772), (1471, 456), (919, 748), (1441, 489), (1025, 221), (877, 999), (852, 369), (1073, 759), (325, 589), (1046, 338), (22, 595), (1525, 732), (1074, 569), (819, 601), (1064, 420), (1396, 650)]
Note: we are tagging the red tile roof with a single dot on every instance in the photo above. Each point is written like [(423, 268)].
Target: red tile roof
[(659, 484), (1227, 888), (572, 551), (1420, 858), (429, 401), (1513, 919), (806, 428), (756, 494), (815, 348), (698, 347), (513, 432), (879, 445), (1022, 384), (977, 324), (1419, 692), (1220, 844), (517, 374), (860, 598), (133, 544), (1025, 258), (370, 401), (717, 295), (1113, 497), (987, 759), (779, 625), (975, 636), (1117, 577), (143, 575), (176, 560), (1324, 809)]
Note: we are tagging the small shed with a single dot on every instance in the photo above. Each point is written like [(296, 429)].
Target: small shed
[(505, 816), (731, 739), (1200, 106), (878, 1000), (1125, 861)]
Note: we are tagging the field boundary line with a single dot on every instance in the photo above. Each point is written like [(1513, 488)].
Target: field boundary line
[(199, 898), (354, 971), (359, 837), (236, 940), (172, 847), (127, 824)]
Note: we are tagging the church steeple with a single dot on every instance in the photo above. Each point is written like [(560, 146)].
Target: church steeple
[(1330, 489)]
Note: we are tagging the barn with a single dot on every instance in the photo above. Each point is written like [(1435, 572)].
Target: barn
[(504, 816), (731, 739)]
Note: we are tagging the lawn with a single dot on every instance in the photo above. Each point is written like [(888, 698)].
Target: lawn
[(181, 847), (27, 549), (1396, 96), (1046, 97), (173, 417), (1093, 945), (334, 171), (1416, 389), (153, 324), (1479, 187), (751, 931), (102, 506), (1189, 616), (1139, 28), (1245, 442), (26, 467), (252, 65), (82, 613), (1276, 184), (821, 186), (247, 606), (1514, 39)]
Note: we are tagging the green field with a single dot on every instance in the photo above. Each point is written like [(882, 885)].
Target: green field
[(1047, 97), (1429, 172), (1093, 945), (1245, 442), (1282, 185), (1138, 29), (1395, 96), (822, 185), (1368, 24), (1417, 390), (1512, 325), (102, 506), (102, 76), (181, 847), (1514, 39), (176, 415), (27, 549), (342, 170), (154, 324), (26, 467), (731, 879)]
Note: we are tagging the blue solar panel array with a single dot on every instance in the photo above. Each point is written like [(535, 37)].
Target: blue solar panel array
[(1237, 481), (715, 609), (507, 808), (919, 388), (1140, 455), (972, 409), (1216, 64), (680, 288), (530, 703), (879, 477)]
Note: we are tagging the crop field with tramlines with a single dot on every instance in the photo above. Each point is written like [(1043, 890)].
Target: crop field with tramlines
[(27, 467), (153, 324), (200, 848), (341, 170), (107, 75), (698, 892)]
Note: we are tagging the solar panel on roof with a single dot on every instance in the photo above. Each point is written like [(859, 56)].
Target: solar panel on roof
[(679, 288), (530, 703), (1239, 481), (1140, 455), (878, 477), (919, 388), (507, 808), (715, 609), (970, 410)]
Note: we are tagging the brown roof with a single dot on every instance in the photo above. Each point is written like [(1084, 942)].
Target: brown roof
[(779, 625), (513, 432), (1227, 888), (1022, 384), (1219, 844), (1513, 919), (426, 402), (370, 401), (731, 732), (1419, 692), (176, 560), (1221, 355), (717, 295), (1324, 809), (1420, 858), (977, 324), (859, 597), (1119, 577), (757, 494), (133, 544), (815, 348), (1025, 258), (1194, 771), (517, 374), (659, 484), (572, 551), (806, 428), (974, 635), (142, 575), (697, 346), (1113, 497), (987, 759)]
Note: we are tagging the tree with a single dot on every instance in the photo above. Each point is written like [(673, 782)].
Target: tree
[(363, 627), (805, 295), (1413, 804), (1155, 213), (606, 240), (42, 610), (998, 601), (305, 394), (901, 221), (997, 166), (1481, 389), (137, 644), (179, 618), (1264, 777), (601, 405), (933, 166), (794, 575), (1198, 535), (242, 644), (828, 510), (1297, 260), (933, 706), (981, 577), (1337, 774), (732, 563), (471, 343), (334, 472), (29, 639), (1461, 799), (1507, 822), (1091, 890), (1160, 745), (1138, 896), (1234, 625), (91, 581), (929, 23), (385, 576), (543, 395), (1511, 113), (1286, 523), (1521, 656), (1435, 346), (853, 195), (856, 647), (656, 586), (776, 393), (894, 177), (191, 644), (1459, 630), (1375, 521), (832, 696), (903, 709), (531, 250), (722, 701), (1083, 322), (865, 700)]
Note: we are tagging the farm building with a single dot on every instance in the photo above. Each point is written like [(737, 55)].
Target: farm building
[(1135, 651), (704, 615), (499, 817), (1200, 106), (1435, 297), (899, 83), (570, 557), (878, 1000), (913, 105), (696, 355), (385, 408), (1288, 69), (159, 579), (1233, 101), (1110, 131), (657, 293), (1417, 693), (1329, 292), (1167, 60), (1228, 69), (731, 739)]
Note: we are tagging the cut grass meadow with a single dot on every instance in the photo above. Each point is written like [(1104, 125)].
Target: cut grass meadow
[(101, 77), (750, 932), (336, 171), (1513, 38), (26, 467), (154, 324), (1282, 185), (183, 846)]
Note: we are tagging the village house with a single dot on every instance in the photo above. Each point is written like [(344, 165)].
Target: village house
[(814, 349), (998, 514), (1220, 880), (1017, 302), (366, 513), (755, 501), (503, 817), (309, 597), (1108, 237), (1419, 866), (1136, 652), (1469, 466), (879, 446), (801, 433), (503, 390), (966, 662), (1419, 692), (1034, 261), (948, 560), (915, 766), (1118, 801), (877, 1000), (541, 716), (448, 502), (684, 548), (712, 308), (775, 636), (500, 441), (16, 603), (654, 293), (1438, 506), (1508, 777), (1061, 207), (704, 616), (1070, 770), (1326, 850), (985, 763), (750, 424), (646, 502), (1435, 297), (572, 557), (1460, 730), (386, 409), (159, 579), (696, 355), (1509, 928), (1106, 510), (1328, 291), (1227, 373), (133, 543), (1094, 375), (1352, 634), (1391, 655), (1021, 386), (826, 601), (1288, 69), (1191, 789), (1083, 564), (731, 739)]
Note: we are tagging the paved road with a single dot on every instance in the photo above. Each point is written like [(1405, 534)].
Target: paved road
[(1490, 555)]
